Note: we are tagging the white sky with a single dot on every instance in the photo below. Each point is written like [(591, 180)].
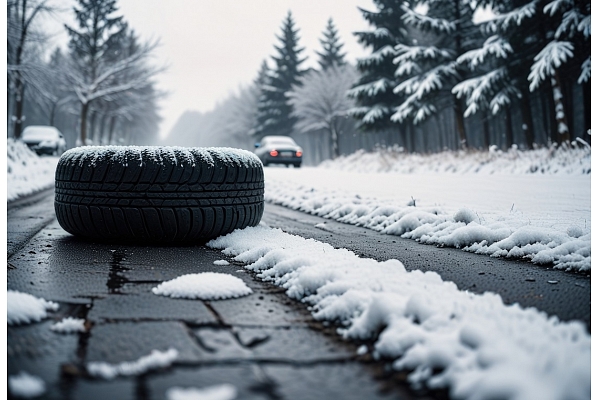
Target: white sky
[(212, 47)]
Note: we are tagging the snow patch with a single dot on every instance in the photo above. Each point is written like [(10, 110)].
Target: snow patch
[(69, 325), (23, 308), (155, 360), (216, 392), (27, 172), (221, 262), (203, 286), (25, 385), (473, 345)]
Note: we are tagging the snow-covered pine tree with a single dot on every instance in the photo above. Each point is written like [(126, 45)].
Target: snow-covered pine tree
[(568, 50), (491, 90), (518, 23), (274, 113), (374, 91), (427, 69), (332, 54)]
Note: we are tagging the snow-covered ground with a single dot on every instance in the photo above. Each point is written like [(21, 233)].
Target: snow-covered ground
[(473, 345), (27, 172), (484, 202)]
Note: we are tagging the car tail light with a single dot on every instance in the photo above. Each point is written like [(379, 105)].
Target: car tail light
[(299, 153), (273, 153)]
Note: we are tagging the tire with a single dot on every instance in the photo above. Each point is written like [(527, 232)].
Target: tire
[(157, 194)]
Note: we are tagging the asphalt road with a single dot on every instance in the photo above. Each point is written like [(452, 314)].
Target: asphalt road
[(265, 344)]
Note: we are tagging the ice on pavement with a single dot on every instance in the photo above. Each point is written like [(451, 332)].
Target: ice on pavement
[(23, 308), (471, 344), (155, 360), (204, 286), (24, 385), (69, 325), (217, 392)]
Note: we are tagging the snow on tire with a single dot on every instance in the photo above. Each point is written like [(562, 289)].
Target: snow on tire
[(157, 194)]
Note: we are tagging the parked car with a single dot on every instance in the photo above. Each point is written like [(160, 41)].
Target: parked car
[(279, 150), (44, 139)]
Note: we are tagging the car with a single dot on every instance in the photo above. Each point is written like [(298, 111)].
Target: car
[(44, 139), (279, 150)]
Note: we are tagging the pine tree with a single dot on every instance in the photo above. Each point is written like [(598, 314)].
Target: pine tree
[(428, 68), (568, 49), (274, 112), (332, 54), (374, 91), (517, 24)]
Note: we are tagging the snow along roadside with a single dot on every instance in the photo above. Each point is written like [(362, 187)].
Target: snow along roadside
[(482, 348), (496, 236)]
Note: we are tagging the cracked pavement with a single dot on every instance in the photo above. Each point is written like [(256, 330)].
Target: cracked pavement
[(265, 344)]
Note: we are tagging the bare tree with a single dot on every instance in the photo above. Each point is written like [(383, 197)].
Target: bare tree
[(106, 57), (321, 101), (21, 15)]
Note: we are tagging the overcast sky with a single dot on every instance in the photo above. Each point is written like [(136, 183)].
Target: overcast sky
[(212, 47)]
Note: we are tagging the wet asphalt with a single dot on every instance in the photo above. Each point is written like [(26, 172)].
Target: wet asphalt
[(265, 344)]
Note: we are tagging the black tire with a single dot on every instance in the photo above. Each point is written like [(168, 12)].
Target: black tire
[(157, 194)]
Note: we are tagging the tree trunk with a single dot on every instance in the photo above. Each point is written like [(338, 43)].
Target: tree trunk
[(19, 85), (486, 131), (587, 107), (509, 132), (460, 124), (335, 150), (52, 112), (83, 126), (111, 128), (93, 131), (19, 118), (564, 135), (527, 125)]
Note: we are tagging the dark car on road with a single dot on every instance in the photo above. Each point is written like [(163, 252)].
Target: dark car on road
[(279, 150), (44, 139)]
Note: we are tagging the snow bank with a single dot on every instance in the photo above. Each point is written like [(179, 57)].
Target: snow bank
[(567, 159), (23, 308), (568, 250), (473, 345), (204, 286), (216, 392), (27, 172), (156, 359), (25, 385)]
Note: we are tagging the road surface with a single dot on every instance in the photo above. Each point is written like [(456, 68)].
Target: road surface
[(265, 344)]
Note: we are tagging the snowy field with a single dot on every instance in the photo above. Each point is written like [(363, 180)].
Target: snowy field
[(472, 345)]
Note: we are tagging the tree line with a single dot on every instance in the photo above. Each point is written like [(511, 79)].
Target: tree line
[(435, 78), (99, 90)]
